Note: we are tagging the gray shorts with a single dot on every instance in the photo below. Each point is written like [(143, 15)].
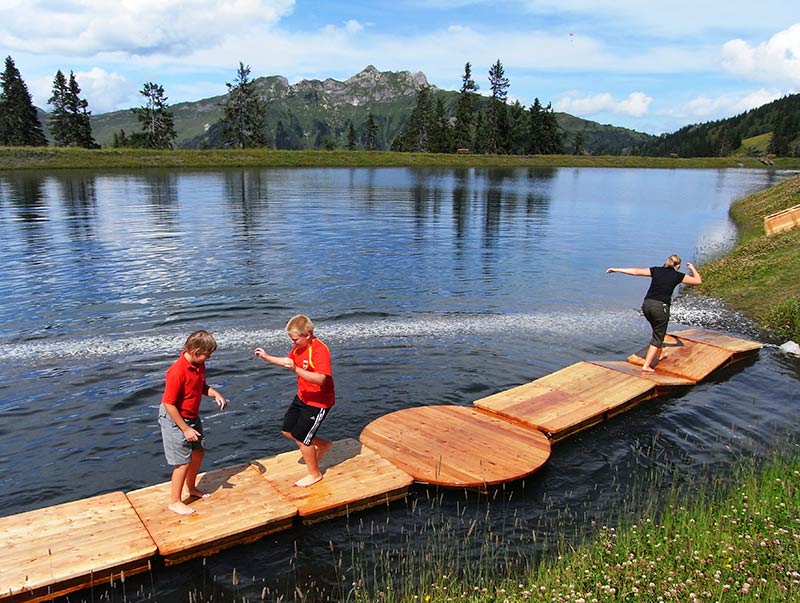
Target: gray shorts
[(177, 450)]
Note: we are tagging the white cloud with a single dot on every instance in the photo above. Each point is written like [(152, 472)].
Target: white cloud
[(105, 91), (704, 108), (141, 27), (776, 60), (635, 104)]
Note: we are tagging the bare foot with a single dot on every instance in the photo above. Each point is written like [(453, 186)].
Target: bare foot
[(308, 480), (647, 369), (197, 493), (322, 449), (180, 508)]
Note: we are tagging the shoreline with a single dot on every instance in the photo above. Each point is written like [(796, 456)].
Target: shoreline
[(758, 276), (32, 158)]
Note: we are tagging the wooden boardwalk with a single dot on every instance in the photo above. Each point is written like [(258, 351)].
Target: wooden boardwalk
[(355, 478), (503, 437), (57, 550), (588, 393)]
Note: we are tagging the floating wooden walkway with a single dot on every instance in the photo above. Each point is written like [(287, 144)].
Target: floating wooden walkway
[(503, 437)]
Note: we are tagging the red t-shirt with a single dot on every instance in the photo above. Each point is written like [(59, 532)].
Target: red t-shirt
[(185, 386), (315, 357)]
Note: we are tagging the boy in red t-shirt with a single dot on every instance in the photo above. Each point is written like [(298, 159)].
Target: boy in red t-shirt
[(310, 360), (179, 418)]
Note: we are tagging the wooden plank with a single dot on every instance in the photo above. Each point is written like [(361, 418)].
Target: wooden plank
[(573, 398), (242, 507), (60, 549), (456, 446), (355, 478), (663, 381), (692, 360), (720, 340), (783, 220)]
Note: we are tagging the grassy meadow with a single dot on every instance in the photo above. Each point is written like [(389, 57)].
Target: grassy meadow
[(21, 158), (725, 545)]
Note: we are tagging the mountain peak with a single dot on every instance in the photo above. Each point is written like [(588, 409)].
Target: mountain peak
[(371, 76)]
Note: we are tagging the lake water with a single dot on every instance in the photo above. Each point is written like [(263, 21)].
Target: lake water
[(430, 286)]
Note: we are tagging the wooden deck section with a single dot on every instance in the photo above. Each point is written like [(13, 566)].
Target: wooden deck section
[(574, 398), (456, 446), (243, 507), (355, 478), (60, 549), (501, 438), (588, 393)]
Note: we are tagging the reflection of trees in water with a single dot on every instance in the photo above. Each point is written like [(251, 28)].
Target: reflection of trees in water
[(80, 201), (25, 193), (161, 190), (246, 191), (494, 195)]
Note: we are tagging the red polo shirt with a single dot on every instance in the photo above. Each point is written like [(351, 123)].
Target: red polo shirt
[(185, 386), (315, 357)]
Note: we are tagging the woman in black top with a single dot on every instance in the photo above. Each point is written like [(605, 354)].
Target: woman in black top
[(655, 306)]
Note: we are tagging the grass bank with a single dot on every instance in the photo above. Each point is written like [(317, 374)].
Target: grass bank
[(760, 276), (727, 545), (21, 158)]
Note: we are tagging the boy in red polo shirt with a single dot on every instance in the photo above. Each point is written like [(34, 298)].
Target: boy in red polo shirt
[(310, 360), (179, 417)]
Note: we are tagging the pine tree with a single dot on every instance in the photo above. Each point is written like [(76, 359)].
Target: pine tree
[(19, 123), (415, 137), (465, 110), (245, 115), (480, 144), (70, 122), (499, 129), (81, 116), (441, 136), (536, 129), (59, 117), (544, 134), (781, 136), (579, 145), (372, 133), (552, 132), (518, 124), (351, 137), (158, 124)]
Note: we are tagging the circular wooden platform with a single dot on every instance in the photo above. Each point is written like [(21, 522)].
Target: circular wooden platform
[(456, 446)]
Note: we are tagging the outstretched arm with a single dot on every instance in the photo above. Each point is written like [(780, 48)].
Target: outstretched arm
[(283, 361), (693, 278), (286, 362), (631, 271)]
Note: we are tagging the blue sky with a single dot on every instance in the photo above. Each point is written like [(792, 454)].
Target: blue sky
[(650, 66)]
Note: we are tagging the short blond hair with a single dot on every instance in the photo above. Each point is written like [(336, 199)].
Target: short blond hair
[(299, 325), (200, 342), (673, 261)]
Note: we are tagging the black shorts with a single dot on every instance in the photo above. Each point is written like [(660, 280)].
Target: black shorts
[(302, 421), (657, 314)]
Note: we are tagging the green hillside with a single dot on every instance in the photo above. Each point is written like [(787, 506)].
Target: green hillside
[(772, 128), (313, 114)]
